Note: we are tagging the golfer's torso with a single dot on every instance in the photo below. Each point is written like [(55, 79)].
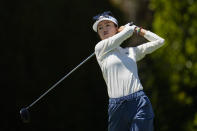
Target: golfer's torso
[(120, 73)]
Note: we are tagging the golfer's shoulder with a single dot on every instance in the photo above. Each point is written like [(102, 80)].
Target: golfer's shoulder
[(100, 49), (101, 44)]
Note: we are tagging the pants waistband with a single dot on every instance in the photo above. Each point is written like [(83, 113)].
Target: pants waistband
[(128, 97)]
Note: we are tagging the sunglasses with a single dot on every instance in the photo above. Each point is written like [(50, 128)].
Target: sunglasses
[(106, 14)]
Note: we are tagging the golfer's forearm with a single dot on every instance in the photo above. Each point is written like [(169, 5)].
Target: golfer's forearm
[(153, 37), (148, 35), (155, 42), (149, 47), (117, 39), (113, 42)]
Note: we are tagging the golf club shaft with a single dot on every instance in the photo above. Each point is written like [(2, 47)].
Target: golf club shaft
[(60, 81)]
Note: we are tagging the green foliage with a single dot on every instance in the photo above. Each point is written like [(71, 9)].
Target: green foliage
[(175, 64)]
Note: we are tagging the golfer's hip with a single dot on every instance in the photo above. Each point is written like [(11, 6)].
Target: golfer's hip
[(125, 110)]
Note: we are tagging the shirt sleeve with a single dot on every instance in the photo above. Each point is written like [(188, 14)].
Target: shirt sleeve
[(106, 45), (147, 48)]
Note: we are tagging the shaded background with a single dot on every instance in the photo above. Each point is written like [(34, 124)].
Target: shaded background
[(45, 39)]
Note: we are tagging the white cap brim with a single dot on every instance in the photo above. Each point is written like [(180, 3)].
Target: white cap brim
[(112, 19)]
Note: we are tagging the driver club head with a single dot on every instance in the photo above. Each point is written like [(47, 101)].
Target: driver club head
[(25, 115)]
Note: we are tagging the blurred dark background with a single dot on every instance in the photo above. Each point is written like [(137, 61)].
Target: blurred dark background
[(42, 40)]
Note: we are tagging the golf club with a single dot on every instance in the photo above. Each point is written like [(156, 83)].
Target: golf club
[(24, 113)]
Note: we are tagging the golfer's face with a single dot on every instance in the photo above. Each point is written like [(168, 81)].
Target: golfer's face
[(106, 29)]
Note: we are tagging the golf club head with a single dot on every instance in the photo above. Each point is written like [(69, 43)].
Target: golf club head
[(25, 115)]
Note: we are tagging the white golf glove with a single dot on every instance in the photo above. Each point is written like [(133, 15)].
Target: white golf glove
[(131, 26)]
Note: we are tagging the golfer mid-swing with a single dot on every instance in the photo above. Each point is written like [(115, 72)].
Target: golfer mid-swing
[(129, 107)]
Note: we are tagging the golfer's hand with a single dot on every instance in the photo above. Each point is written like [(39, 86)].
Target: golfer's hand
[(121, 28), (140, 31)]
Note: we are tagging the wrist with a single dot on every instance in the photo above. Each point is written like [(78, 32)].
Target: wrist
[(133, 27), (140, 31), (137, 30)]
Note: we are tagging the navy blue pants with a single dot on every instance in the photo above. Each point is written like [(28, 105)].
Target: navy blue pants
[(130, 113)]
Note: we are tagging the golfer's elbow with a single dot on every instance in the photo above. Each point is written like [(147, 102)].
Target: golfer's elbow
[(161, 41)]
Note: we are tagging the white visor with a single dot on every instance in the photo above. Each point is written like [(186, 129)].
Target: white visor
[(101, 18)]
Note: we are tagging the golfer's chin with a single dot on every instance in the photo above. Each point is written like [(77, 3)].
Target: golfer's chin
[(106, 36)]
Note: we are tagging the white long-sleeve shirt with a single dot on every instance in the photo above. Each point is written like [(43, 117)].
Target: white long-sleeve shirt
[(119, 66)]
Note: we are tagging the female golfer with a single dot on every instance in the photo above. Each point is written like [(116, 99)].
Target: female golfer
[(129, 107)]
